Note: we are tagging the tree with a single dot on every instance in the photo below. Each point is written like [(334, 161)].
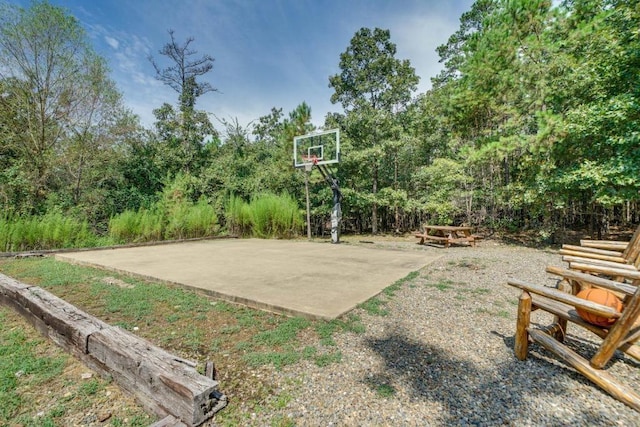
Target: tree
[(184, 132), (373, 87), (181, 76), (57, 89)]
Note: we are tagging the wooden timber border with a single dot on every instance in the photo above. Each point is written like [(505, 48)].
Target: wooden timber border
[(164, 384)]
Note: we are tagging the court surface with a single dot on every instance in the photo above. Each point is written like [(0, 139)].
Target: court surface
[(310, 279)]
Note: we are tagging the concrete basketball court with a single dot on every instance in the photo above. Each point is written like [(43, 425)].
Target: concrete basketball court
[(310, 279)]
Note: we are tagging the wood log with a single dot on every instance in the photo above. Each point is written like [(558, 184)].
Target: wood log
[(521, 347), (591, 307), (615, 259), (597, 262), (609, 245), (602, 379), (601, 282), (63, 323), (612, 272), (169, 421), (153, 375), (583, 249), (163, 383)]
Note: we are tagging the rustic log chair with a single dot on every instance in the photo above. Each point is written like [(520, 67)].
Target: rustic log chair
[(613, 253), (623, 335), (624, 266)]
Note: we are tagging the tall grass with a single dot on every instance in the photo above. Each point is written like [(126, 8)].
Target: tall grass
[(51, 231), (190, 221), (181, 220), (266, 216), (238, 216)]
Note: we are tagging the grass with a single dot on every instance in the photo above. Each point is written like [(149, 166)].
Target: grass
[(51, 231), (376, 306), (239, 340), (442, 285), (385, 390), (40, 384), (267, 215)]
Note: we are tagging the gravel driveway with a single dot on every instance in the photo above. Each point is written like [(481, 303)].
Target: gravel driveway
[(444, 356)]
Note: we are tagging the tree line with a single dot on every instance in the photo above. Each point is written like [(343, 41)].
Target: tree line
[(533, 123)]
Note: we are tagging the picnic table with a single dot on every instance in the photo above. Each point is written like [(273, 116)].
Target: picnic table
[(447, 235)]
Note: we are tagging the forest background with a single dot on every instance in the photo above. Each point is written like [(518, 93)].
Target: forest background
[(533, 124)]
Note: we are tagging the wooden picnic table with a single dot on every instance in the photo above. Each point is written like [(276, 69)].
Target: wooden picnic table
[(447, 234)]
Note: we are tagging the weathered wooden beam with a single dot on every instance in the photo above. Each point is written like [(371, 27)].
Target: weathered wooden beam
[(163, 383), (53, 317), (169, 421), (156, 377)]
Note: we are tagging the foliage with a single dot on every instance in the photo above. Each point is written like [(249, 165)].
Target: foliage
[(266, 216), (532, 123), (57, 113), (50, 231), (372, 87), (174, 216)]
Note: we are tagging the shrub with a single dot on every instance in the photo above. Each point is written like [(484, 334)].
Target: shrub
[(50, 231), (266, 216)]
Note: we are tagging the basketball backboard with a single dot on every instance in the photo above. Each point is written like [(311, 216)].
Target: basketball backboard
[(320, 148)]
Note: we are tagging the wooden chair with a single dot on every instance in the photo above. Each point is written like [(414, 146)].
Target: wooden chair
[(620, 266), (603, 250), (622, 336)]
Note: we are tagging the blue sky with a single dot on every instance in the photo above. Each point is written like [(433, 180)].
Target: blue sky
[(267, 53)]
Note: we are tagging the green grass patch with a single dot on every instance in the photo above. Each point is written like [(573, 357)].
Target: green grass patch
[(392, 289), (278, 359), (284, 333), (504, 314), (443, 285), (323, 360), (21, 363), (375, 307)]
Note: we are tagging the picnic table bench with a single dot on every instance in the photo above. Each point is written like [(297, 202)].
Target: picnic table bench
[(447, 235)]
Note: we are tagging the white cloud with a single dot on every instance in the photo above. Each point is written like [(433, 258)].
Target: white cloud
[(417, 38), (112, 42)]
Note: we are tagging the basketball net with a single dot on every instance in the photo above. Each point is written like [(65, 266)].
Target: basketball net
[(310, 161)]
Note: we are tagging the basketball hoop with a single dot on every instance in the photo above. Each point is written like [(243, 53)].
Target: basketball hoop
[(309, 162)]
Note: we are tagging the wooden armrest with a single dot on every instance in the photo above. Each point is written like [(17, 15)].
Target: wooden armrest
[(600, 282), (556, 295), (583, 260), (615, 272)]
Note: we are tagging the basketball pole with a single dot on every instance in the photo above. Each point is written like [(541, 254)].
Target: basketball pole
[(336, 212), (307, 171)]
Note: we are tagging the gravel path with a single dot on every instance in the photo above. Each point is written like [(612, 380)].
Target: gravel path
[(444, 356)]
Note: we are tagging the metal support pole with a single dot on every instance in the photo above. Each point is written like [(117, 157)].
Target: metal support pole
[(336, 211)]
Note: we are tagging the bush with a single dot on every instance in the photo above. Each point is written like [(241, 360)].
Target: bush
[(51, 231), (266, 216), (182, 221)]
